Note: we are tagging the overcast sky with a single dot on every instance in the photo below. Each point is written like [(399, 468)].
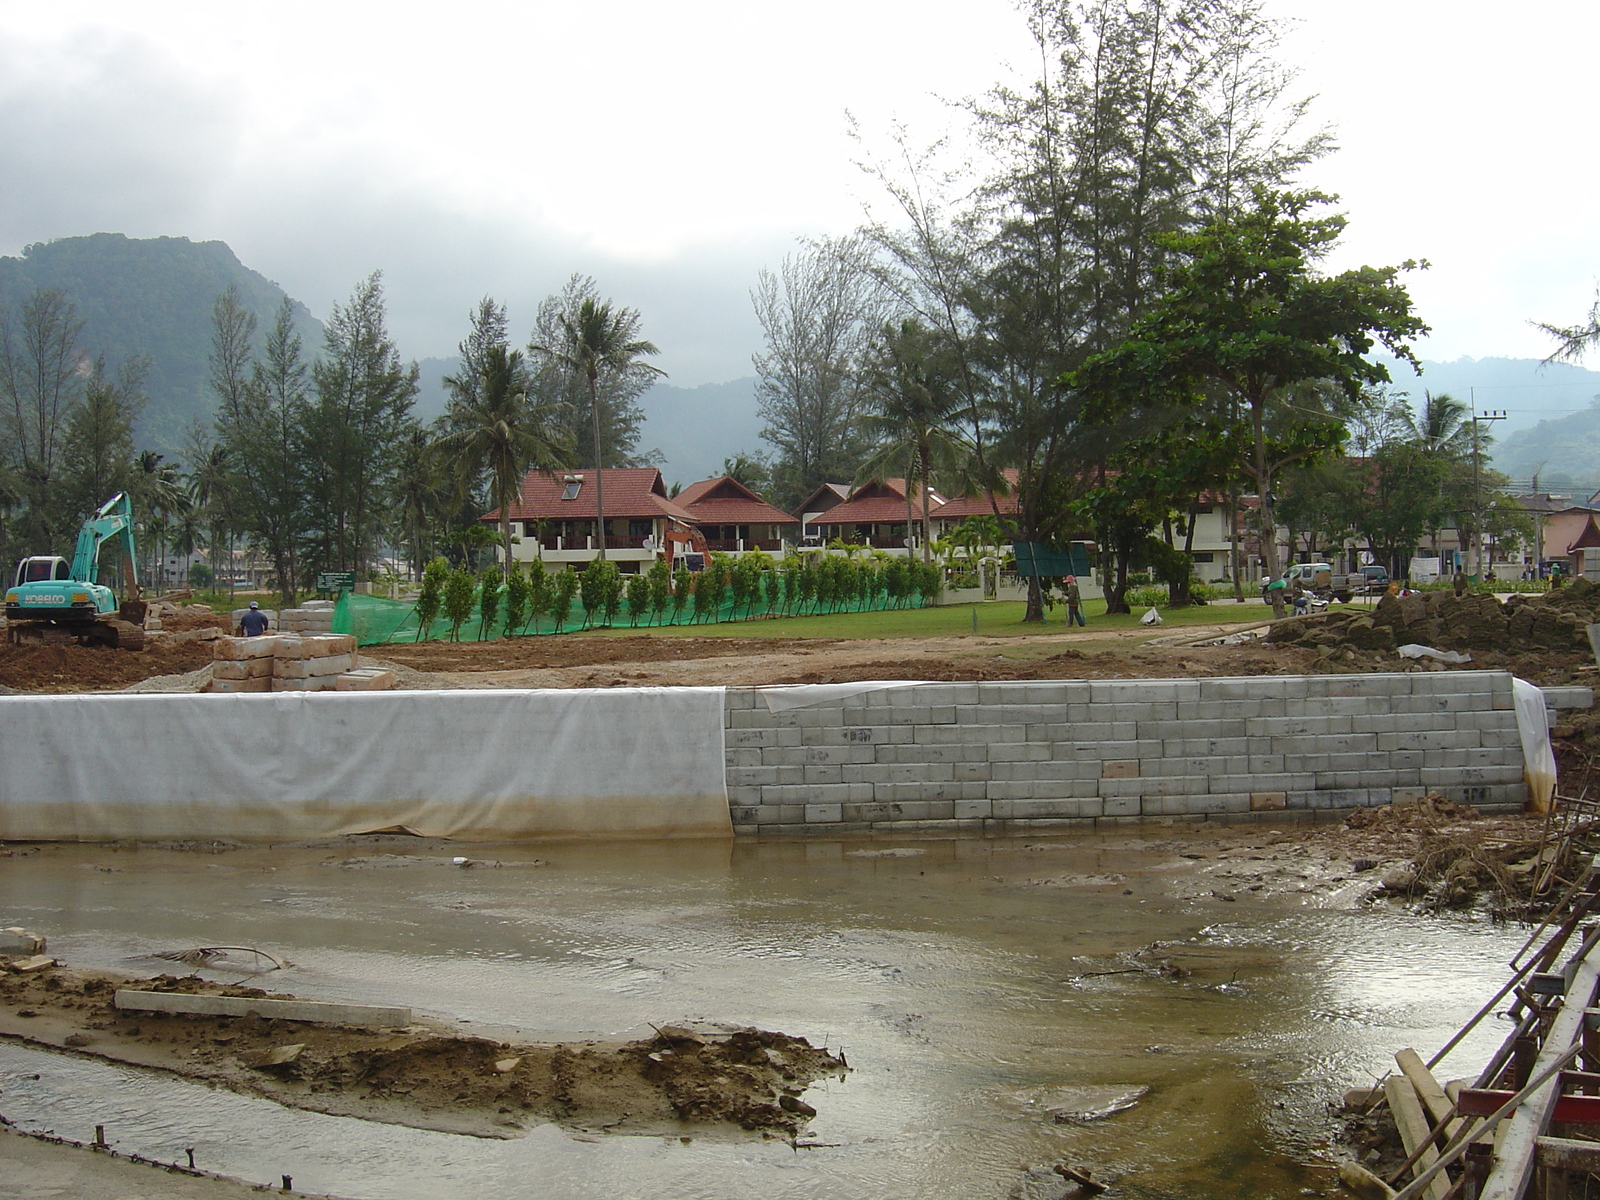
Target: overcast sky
[(673, 150)]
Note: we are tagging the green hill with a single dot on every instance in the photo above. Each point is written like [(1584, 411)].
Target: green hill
[(150, 296)]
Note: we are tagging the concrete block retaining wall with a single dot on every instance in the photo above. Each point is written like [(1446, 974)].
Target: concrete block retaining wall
[(1013, 757)]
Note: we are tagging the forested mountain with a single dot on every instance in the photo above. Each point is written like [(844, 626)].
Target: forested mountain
[(1564, 453), (150, 296)]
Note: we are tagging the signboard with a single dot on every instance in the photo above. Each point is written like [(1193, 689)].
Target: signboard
[(336, 581), (1037, 558)]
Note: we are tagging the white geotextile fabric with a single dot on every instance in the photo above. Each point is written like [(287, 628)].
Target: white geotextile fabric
[(481, 765), (1538, 759)]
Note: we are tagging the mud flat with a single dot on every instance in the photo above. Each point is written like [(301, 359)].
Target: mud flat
[(426, 1075)]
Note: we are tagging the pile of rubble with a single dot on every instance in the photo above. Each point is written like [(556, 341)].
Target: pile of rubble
[(1553, 622)]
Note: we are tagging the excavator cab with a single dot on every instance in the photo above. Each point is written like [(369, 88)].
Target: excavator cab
[(42, 568)]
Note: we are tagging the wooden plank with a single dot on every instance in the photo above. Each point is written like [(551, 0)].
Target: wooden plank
[(244, 1006), (1432, 1095), (1414, 1126), (1514, 1166)]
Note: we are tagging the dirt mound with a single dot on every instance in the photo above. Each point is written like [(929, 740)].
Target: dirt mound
[(431, 1076), (60, 669), (1425, 816), (1523, 626)]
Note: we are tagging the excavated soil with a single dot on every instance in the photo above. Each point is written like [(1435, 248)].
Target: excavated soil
[(429, 1075), (62, 669)]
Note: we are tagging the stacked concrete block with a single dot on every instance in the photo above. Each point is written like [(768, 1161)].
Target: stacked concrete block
[(287, 662), (1024, 756), (311, 662), (314, 616), (242, 664)]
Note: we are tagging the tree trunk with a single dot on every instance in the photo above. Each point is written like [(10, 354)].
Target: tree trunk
[(599, 476)]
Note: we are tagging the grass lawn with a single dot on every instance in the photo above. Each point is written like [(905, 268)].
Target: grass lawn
[(994, 619)]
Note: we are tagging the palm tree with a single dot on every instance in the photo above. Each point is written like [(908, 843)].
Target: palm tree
[(599, 338), (496, 426), (209, 490), (912, 382), (158, 491), (421, 494), (1444, 426)]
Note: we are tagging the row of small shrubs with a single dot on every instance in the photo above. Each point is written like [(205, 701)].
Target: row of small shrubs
[(729, 588)]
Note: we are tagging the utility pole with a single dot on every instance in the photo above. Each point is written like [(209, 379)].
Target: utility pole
[(1487, 418)]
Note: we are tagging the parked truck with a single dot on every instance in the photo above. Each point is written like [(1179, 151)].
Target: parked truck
[(52, 601)]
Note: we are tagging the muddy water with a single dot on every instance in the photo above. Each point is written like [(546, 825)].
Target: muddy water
[(973, 1000)]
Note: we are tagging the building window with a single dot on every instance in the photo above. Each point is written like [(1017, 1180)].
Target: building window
[(574, 484), (638, 529), (1201, 556)]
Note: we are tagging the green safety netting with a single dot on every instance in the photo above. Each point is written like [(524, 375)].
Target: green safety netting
[(375, 620)]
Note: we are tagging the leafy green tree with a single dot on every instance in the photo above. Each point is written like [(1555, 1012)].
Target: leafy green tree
[(494, 425), (430, 600), (562, 591), (459, 592), (423, 494), (600, 580), (772, 584), (517, 597), (1574, 341), (40, 387), (752, 470), (709, 586), (97, 455), (539, 589), (660, 577), (1246, 312), (744, 581), (917, 411), (638, 594), (262, 417), (489, 584), (682, 591), (599, 339), (818, 314), (210, 487), (361, 413), (1145, 119)]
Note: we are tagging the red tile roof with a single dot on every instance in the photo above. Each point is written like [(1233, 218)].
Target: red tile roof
[(984, 505), (635, 493), (827, 495), (878, 501), (726, 501)]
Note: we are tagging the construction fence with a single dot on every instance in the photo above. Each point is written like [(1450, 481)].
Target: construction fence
[(642, 601)]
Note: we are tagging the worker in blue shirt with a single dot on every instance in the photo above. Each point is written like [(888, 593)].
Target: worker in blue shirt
[(254, 622)]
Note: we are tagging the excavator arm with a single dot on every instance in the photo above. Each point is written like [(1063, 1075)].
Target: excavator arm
[(114, 517)]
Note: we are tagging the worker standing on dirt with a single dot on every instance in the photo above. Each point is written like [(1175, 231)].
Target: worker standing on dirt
[(1074, 601), (254, 622), (1459, 583)]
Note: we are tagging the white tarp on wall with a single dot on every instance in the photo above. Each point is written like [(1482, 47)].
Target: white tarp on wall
[(477, 765)]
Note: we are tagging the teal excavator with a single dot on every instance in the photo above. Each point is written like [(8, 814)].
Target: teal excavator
[(52, 601)]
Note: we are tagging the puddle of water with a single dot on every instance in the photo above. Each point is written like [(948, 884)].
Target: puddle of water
[(967, 1002)]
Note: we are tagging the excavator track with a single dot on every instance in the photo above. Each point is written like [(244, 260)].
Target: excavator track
[(125, 635)]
